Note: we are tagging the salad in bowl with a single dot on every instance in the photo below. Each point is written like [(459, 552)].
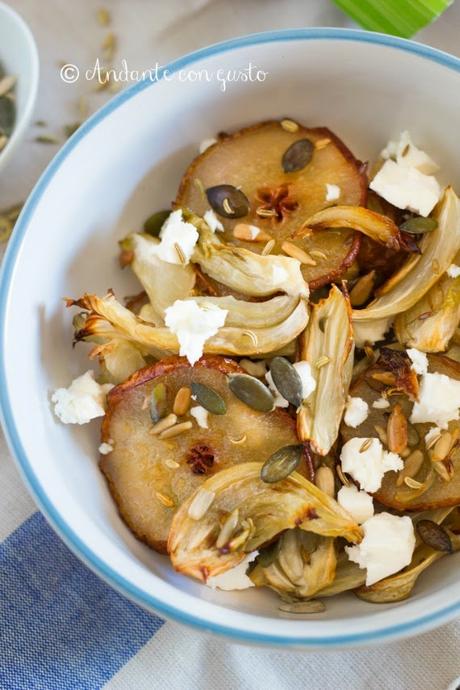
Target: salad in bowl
[(280, 402)]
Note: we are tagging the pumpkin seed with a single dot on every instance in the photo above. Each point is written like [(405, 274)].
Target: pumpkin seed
[(419, 225), (7, 114), (209, 399), (251, 391), (312, 606), (434, 536), (228, 201), (287, 380), (281, 464), (297, 156), (158, 402), (154, 223)]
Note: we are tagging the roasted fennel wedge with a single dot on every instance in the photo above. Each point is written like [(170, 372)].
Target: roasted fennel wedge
[(108, 319), (378, 227), (303, 563), (327, 344), (263, 511), (438, 250)]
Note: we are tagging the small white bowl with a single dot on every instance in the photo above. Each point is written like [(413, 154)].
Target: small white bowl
[(18, 56), (121, 165)]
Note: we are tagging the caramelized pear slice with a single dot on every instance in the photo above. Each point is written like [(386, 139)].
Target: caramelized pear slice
[(278, 202), (262, 511), (149, 477), (430, 490)]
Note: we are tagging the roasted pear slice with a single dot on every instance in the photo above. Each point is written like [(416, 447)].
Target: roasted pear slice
[(200, 543), (149, 476), (418, 486), (274, 179)]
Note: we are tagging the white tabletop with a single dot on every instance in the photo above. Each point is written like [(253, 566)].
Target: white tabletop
[(149, 32)]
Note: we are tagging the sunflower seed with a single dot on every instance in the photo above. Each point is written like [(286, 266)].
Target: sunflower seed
[(228, 201), (419, 225), (442, 471), (209, 399), (163, 424), (297, 156), (176, 430), (298, 607), (158, 402), (296, 252), (251, 391), (254, 368), (154, 223), (289, 125), (434, 535), (412, 465), (362, 289), (249, 233), (182, 401), (281, 464), (442, 447), (287, 380), (228, 528), (324, 480), (412, 483), (201, 503), (238, 441)]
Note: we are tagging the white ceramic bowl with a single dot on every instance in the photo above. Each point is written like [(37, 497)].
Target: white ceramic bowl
[(18, 56), (124, 163)]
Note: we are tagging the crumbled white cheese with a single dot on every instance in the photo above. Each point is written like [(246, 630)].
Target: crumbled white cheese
[(254, 231), (206, 143), (356, 411), (201, 416), (406, 187), (386, 548), (332, 192), (358, 503), (434, 432), (194, 325), (105, 448), (453, 271), (381, 404), (370, 331), (368, 466), (82, 401), (303, 368), (406, 153), (439, 400), (178, 240), (236, 577), (212, 220), (419, 360), (279, 400)]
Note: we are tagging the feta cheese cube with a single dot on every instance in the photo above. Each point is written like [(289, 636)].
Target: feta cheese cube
[(356, 412), (419, 360), (381, 404), (407, 187), (194, 325), (406, 153), (366, 461), (453, 271), (358, 503), (201, 416), (387, 546), (105, 448), (178, 240), (82, 401), (212, 220), (332, 192), (439, 401), (235, 578)]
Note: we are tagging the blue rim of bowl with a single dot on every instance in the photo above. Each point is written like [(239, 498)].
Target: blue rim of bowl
[(72, 540)]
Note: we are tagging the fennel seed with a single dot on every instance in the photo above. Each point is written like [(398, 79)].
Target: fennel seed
[(165, 500), (322, 361), (268, 247), (289, 126), (318, 254), (226, 206), (238, 441), (180, 253), (412, 483), (411, 467), (343, 478), (322, 143), (365, 445), (265, 212), (252, 336)]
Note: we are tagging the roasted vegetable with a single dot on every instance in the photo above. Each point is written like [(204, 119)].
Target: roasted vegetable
[(264, 511), (109, 319), (150, 476), (375, 225), (303, 564), (420, 272), (327, 344), (262, 163), (421, 488)]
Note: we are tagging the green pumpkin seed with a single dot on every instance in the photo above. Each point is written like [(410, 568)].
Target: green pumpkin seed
[(158, 402), (251, 391), (434, 536), (209, 399), (297, 156), (228, 201), (281, 464), (287, 380), (419, 225), (154, 223), (7, 115)]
